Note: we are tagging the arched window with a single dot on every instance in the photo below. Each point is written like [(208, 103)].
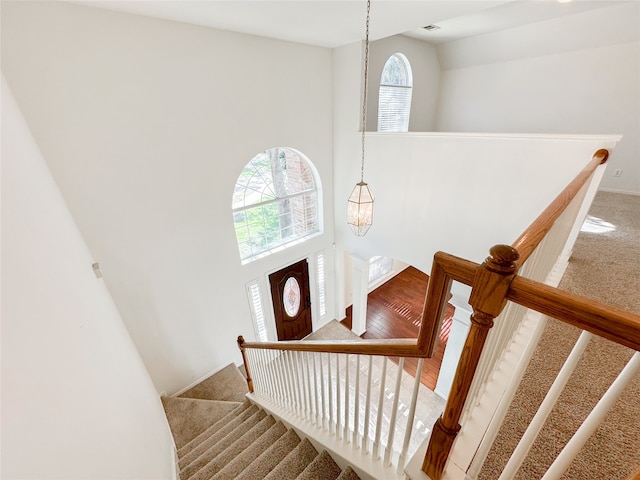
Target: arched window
[(275, 203), (394, 101)]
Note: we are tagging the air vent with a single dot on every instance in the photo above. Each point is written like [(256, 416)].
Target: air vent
[(431, 27)]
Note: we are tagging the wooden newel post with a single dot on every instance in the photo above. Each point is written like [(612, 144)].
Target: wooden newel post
[(246, 363), (488, 298)]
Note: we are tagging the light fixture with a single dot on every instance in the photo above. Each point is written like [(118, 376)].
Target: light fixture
[(360, 203)]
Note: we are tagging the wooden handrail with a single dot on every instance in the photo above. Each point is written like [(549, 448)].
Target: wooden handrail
[(609, 322), (533, 235), (397, 347)]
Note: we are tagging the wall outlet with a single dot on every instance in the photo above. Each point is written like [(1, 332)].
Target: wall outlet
[(617, 172)]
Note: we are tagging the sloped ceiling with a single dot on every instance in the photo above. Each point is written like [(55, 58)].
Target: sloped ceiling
[(328, 23)]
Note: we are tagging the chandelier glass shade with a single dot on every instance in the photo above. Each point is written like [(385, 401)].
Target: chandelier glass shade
[(360, 209)]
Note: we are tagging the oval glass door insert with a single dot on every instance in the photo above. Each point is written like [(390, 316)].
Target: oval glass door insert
[(291, 297)]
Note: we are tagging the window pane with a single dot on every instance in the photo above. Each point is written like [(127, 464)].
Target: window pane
[(394, 100), (280, 184)]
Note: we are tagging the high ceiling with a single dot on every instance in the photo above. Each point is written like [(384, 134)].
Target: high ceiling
[(330, 23)]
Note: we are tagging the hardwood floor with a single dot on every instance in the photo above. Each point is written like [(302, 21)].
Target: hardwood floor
[(394, 310)]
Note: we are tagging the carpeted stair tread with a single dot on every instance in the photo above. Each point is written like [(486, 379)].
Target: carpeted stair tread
[(211, 447), (189, 417), (269, 459), (226, 384), (294, 463), (323, 467), (241, 461), (348, 474), (215, 459), (217, 431)]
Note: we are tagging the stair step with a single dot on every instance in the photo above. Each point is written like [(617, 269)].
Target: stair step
[(294, 463), (218, 457), (221, 435), (240, 462), (271, 457), (189, 417), (323, 467), (219, 429), (210, 448), (348, 474), (226, 384)]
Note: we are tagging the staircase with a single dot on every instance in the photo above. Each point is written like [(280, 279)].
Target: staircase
[(221, 435)]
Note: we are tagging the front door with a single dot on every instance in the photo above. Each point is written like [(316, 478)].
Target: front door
[(291, 301)]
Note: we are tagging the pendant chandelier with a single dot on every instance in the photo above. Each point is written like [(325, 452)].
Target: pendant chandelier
[(360, 203)]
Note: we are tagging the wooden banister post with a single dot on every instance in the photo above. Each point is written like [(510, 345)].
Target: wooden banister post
[(488, 298), (246, 363)]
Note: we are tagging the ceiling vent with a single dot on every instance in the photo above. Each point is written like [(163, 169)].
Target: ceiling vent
[(431, 28)]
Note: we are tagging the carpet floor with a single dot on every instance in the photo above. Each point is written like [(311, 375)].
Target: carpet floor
[(605, 266), (221, 435)]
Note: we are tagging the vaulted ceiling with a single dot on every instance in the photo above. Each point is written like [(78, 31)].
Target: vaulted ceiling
[(330, 23)]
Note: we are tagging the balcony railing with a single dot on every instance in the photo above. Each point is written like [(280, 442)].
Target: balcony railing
[(345, 386)]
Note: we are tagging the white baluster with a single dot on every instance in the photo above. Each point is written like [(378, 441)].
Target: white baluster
[(367, 408), (314, 357), (305, 356), (376, 442), (292, 381), (394, 413), (347, 390), (411, 416), (538, 420), (299, 373), (323, 414), (331, 418), (356, 408), (593, 420), (338, 400)]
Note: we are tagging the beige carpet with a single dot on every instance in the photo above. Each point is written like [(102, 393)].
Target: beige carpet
[(218, 439), (605, 266)]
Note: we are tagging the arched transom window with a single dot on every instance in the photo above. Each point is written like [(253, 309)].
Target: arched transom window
[(394, 101), (275, 203)]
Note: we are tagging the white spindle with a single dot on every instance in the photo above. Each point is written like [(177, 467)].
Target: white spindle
[(307, 372), (571, 449), (291, 381), (258, 380), (367, 409), (315, 356), (300, 382), (525, 443), (412, 413), (376, 442), (394, 413), (338, 400), (330, 383), (284, 380), (323, 402), (356, 407), (345, 434)]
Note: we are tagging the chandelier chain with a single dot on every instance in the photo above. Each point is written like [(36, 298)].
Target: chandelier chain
[(364, 87)]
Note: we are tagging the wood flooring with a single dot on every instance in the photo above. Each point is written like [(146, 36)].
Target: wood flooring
[(394, 310)]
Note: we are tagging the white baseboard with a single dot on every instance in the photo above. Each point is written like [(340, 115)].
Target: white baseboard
[(614, 190)]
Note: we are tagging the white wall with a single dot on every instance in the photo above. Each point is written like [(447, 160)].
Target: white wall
[(556, 76), (426, 79), (146, 125), (459, 193), (77, 402)]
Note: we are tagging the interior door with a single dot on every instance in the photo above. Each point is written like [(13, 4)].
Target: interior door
[(291, 301)]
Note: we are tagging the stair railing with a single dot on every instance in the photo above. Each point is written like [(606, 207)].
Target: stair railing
[(284, 369), (489, 297)]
